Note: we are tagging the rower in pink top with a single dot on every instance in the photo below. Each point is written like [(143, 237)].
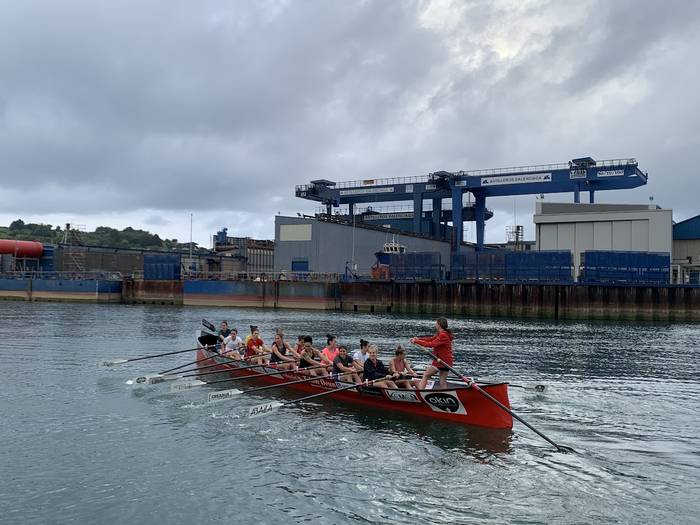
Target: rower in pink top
[(331, 350)]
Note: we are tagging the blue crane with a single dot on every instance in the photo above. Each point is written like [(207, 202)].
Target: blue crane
[(577, 175)]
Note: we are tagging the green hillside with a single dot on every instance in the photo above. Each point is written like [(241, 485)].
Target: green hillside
[(102, 236)]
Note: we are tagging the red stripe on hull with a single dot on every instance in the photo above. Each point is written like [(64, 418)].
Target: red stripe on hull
[(459, 405)]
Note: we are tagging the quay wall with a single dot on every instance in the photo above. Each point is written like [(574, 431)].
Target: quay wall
[(262, 294), (138, 291), (539, 301), (84, 290)]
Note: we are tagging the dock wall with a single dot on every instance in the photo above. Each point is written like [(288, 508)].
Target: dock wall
[(539, 301), (84, 290)]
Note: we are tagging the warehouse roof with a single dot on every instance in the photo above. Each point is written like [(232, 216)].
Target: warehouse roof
[(687, 230)]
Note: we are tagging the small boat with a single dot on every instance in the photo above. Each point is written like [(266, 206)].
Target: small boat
[(458, 403)]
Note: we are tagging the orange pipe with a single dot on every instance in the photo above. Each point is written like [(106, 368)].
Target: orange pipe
[(21, 248)]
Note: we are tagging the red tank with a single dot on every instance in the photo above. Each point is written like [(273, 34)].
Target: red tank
[(21, 248)]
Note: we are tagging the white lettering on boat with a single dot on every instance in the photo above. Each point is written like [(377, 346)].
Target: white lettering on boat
[(401, 395), (328, 384)]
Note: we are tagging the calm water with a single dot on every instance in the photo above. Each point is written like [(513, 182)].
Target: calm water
[(79, 446)]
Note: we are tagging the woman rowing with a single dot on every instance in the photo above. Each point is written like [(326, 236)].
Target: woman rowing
[(232, 345), (255, 348), (360, 356), (401, 366), (343, 365), (376, 371), (441, 343), (331, 350), (312, 358), (281, 354)]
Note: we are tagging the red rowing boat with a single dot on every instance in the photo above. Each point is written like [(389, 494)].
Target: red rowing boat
[(458, 403)]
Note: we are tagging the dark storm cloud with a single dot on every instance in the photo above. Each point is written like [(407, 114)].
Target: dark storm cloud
[(221, 106)]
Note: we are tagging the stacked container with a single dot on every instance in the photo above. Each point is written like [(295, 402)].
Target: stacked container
[(599, 267), (416, 265), (161, 267)]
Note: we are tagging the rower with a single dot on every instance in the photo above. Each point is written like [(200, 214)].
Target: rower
[(311, 357), (400, 365), (255, 347), (232, 345), (343, 364), (360, 356), (331, 349), (441, 344), (375, 369), (282, 353)]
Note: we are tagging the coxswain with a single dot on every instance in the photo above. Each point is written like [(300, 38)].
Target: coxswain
[(360, 356), (343, 365), (311, 357), (233, 345), (222, 333), (441, 343), (281, 353), (255, 347), (376, 371), (331, 349), (400, 365)]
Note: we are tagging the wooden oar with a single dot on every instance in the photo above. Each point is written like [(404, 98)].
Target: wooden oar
[(268, 408), (536, 388), (154, 379), (472, 384), (206, 324), (228, 394), (230, 360), (113, 362), (179, 386)]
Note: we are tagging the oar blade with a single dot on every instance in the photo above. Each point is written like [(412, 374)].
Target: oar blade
[(153, 379), (113, 362), (186, 385), (264, 409), (206, 324), (539, 388), (223, 395)]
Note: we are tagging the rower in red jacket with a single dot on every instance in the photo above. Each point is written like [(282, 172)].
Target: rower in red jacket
[(441, 344)]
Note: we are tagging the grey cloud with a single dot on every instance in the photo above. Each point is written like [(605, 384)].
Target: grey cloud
[(224, 107)]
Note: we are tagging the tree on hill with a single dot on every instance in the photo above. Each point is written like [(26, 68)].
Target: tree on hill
[(102, 236)]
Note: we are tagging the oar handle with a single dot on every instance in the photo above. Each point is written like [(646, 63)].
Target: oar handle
[(253, 376), (365, 383)]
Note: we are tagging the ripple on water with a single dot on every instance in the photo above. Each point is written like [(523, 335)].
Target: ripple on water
[(82, 446)]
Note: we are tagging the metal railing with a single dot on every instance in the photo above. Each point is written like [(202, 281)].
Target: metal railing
[(91, 275), (263, 276)]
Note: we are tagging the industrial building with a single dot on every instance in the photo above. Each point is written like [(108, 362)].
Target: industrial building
[(581, 228), (330, 245), (686, 251)]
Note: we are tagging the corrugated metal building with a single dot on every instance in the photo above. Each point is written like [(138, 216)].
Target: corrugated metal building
[(686, 251), (313, 245), (610, 227)]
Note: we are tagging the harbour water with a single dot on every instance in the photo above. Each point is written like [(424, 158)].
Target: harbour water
[(77, 445)]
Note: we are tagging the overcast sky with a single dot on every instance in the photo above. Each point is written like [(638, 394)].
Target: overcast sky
[(139, 113)]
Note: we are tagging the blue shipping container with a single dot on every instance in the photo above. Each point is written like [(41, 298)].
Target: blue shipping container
[(161, 267)]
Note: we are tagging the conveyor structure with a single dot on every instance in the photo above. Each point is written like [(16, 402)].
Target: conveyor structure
[(576, 176)]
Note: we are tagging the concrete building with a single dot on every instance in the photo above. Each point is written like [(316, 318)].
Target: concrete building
[(309, 244), (620, 227), (686, 251)]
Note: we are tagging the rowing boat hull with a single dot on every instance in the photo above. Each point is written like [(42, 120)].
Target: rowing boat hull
[(457, 404)]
